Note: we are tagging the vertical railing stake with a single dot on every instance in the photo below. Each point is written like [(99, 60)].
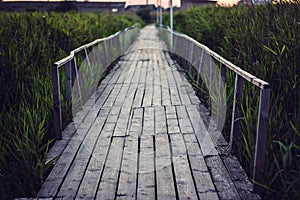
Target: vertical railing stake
[(222, 97), (68, 83), (261, 139), (77, 80), (236, 113), (104, 54), (56, 102)]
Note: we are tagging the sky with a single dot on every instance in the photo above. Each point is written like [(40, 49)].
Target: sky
[(165, 3)]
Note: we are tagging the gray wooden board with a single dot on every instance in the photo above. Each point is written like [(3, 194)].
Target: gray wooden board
[(163, 168), (80, 163), (205, 186), (239, 178), (223, 183), (184, 120), (184, 180), (146, 180), (128, 176), (148, 123), (160, 120), (110, 176), (62, 166), (206, 143)]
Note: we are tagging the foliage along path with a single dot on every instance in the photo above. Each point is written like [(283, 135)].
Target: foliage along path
[(141, 137)]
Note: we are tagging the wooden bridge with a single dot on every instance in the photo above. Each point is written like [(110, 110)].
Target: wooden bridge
[(141, 136)]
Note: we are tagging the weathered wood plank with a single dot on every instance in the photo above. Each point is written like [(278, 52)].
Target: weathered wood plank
[(160, 120), (128, 175), (184, 120), (205, 141), (184, 180), (165, 184), (148, 123), (146, 179), (223, 183), (110, 176), (204, 184), (136, 122), (61, 168)]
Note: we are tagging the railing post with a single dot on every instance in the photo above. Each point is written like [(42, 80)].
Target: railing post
[(56, 103), (261, 139), (222, 97), (69, 83), (104, 53), (77, 80), (236, 113)]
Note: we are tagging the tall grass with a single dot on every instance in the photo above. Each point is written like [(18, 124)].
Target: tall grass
[(29, 45), (265, 41)]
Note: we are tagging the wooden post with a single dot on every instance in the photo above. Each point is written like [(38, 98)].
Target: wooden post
[(104, 51), (261, 139), (77, 84), (190, 58), (56, 102), (199, 69), (222, 98), (236, 113), (69, 83)]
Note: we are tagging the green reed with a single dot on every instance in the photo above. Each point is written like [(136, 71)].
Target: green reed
[(29, 44)]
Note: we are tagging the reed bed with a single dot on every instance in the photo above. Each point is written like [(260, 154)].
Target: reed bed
[(29, 44), (265, 41)]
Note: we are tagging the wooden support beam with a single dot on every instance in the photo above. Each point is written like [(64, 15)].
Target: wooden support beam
[(261, 139), (236, 113)]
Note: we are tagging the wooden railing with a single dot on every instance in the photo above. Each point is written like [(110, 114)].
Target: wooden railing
[(98, 54), (195, 54)]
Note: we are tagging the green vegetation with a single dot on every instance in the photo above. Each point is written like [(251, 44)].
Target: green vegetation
[(265, 41), (29, 44)]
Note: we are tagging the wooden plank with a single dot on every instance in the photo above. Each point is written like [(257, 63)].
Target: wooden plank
[(128, 175), (206, 144), (185, 124), (222, 181), (148, 121), (157, 95), (75, 175), (146, 178), (136, 123), (56, 177), (184, 180), (165, 184), (166, 99), (178, 145), (138, 99), (172, 121), (239, 178), (181, 85), (160, 120), (203, 180), (88, 186), (112, 96), (110, 176)]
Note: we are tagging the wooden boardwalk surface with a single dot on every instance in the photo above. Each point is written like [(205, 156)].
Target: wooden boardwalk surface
[(140, 137)]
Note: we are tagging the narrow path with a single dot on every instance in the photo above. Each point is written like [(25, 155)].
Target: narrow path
[(140, 137)]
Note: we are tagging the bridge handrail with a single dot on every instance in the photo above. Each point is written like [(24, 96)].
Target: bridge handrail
[(240, 76), (120, 41)]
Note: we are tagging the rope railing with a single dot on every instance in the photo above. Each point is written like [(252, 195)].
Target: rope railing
[(83, 69), (211, 69)]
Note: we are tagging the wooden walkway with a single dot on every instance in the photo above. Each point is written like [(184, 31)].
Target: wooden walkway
[(141, 137)]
